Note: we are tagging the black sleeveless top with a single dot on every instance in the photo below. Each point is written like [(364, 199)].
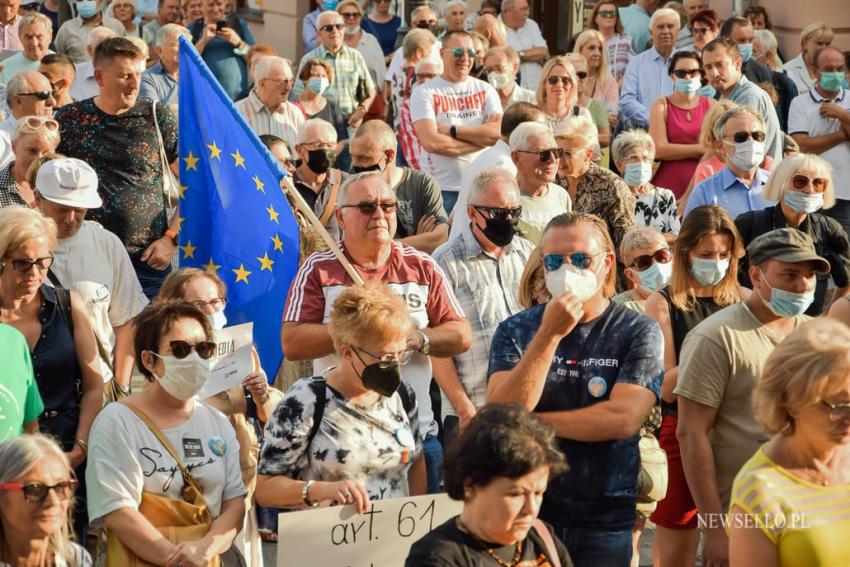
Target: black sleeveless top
[(57, 372), (681, 323)]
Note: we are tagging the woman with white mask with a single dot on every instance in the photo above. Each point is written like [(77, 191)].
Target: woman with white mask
[(802, 187), (162, 450), (703, 281)]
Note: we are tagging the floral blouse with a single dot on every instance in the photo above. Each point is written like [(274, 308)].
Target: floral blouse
[(600, 192), (657, 208)]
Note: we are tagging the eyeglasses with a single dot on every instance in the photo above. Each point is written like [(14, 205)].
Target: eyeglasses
[(554, 79), (350, 15), (459, 52), (500, 213), (700, 31), (644, 261), (686, 73), (801, 182), (36, 492), (24, 266), (181, 349), (387, 359), (425, 76), (582, 75), (328, 28), (546, 156), (216, 303), (837, 412), (743, 136), (425, 24), (607, 13), (39, 121), (369, 209), (40, 95), (580, 260)]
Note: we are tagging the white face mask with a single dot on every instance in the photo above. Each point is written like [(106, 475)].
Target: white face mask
[(184, 378), (218, 320), (352, 30), (748, 155), (582, 284), (498, 80)]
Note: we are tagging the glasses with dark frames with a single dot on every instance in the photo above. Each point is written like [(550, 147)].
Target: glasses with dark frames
[(40, 95), (369, 209), (182, 349), (500, 213), (555, 79), (580, 260), (803, 181), (743, 136), (36, 492), (328, 28), (545, 156), (686, 73), (644, 261), (24, 266)]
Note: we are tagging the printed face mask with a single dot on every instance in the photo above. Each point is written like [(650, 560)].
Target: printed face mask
[(787, 303), (582, 284), (708, 272), (184, 378)]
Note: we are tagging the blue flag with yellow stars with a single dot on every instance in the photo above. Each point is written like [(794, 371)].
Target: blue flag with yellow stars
[(235, 219)]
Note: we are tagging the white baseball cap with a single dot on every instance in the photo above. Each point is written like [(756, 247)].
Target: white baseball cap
[(70, 182)]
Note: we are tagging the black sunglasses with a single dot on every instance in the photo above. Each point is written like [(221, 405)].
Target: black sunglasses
[(181, 349), (686, 73), (40, 95), (370, 208), (607, 13), (554, 79), (328, 28), (644, 261), (580, 260), (500, 213), (743, 136), (350, 15), (802, 181), (700, 31), (546, 156), (582, 75), (24, 266), (36, 492)]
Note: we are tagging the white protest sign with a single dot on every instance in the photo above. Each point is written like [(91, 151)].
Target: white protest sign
[(339, 537), (232, 360)]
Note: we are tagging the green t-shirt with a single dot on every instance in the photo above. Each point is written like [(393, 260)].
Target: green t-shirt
[(20, 402)]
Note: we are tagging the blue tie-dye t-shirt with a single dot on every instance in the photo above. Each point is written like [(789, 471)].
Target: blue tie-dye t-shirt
[(619, 346)]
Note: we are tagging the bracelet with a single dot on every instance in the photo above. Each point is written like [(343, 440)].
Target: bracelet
[(304, 495), (82, 445), (171, 234)]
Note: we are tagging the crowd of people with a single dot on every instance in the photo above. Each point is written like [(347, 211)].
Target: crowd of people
[(604, 289)]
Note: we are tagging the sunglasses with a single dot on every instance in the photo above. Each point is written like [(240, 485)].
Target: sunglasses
[(686, 73), (837, 412), (700, 31), (801, 182), (546, 156), (40, 95), (580, 260), (500, 213), (39, 121), (743, 136), (36, 492), (24, 266), (182, 349), (217, 303), (386, 359), (582, 75), (607, 13), (459, 52), (350, 15), (328, 28), (369, 209), (425, 76), (555, 79), (644, 261)]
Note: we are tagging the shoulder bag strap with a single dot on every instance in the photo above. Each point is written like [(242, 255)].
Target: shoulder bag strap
[(335, 182), (548, 541), (166, 170), (53, 279), (318, 387)]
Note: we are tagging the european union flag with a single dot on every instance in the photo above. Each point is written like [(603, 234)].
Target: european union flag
[(236, 221)]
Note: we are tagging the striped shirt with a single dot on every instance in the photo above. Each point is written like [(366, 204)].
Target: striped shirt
[(349, 73), (619, 51), (282, 121), (486, 288)]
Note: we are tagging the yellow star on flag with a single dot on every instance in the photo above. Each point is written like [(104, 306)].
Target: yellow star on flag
[(240, 161), (265, 262), (242, 274), (273, 214), (181, 189), (215, 151), (260, 185), (191, 162), (211, 267), (189, 250), (278, 243)]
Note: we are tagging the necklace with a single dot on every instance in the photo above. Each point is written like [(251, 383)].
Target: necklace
[(517, 554)]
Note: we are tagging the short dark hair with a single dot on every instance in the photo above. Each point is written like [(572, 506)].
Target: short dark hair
[(725, 44), (709, 17), (59, 59), (156, 320), (115, 47), (270, 141), (684, 55), (516, 114), (500, 441), (732, 22), (753, 11)]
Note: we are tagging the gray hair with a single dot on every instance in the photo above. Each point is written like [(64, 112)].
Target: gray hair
[(380, 134), (508, 4), (265, 65), (452, 3), (720, 125), (425, 61), (660, 13), (631, 141), (308, 126), (416, 40), (34, 19), (325, 15), (98, 34), (356, 178), (19, 84), (415, 13), (170, 30), (489, 176), (524, 132)]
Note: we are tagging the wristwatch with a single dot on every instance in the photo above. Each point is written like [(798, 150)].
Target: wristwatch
[(453, 132), (426, 344), (306, 498), (172, 235)]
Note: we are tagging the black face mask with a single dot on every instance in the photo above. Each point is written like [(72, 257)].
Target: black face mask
[(364, 168), (385, 381), (319, 161), (499, 231)]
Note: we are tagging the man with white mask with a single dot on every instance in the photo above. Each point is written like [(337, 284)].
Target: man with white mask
[(502, 65), (592, 369)]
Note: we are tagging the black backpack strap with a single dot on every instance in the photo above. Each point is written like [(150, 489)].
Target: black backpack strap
[(318, 385), (53, 279), (406, 401), (63, 300)]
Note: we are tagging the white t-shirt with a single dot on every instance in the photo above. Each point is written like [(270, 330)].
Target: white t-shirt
[(95, 264), (527, 37), (466, 103), (538, 211), (125, 458)]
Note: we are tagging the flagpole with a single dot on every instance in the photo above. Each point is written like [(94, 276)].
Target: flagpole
[(302, 207)]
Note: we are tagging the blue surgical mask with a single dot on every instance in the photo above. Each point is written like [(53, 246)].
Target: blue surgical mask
[(746, 51), (803, 202), (330, 4), (708, 272), (832, 81), (318, 84), (656, 276), (637, 173), (787, 303), (707, 90), (688, 86), (87, 8)]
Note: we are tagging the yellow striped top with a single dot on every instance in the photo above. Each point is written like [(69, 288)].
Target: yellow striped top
[(809, 523)]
